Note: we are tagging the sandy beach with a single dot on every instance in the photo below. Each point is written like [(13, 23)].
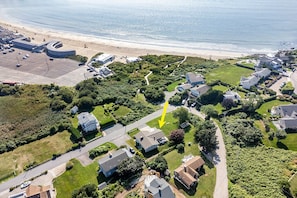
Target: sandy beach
[(89, 46)]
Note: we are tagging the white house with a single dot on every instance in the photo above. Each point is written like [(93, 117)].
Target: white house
[(104, 58), (262, 73), (232, 95), (247, 82), (88, 121), (133, 59)]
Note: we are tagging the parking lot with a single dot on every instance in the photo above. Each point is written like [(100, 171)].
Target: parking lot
[(37, 68)]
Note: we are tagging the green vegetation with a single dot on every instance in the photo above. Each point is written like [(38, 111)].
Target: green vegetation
[(111, 190), (227, 72), (133, 132), (220, 88), (13, 162), (293, 184), (89, 190), (79, 176), (173, 85), (170, 125), (99, 150), (288, 88), (79, 58), (102, 115)]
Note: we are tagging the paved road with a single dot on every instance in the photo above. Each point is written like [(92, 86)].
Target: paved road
[(293, 77), (219, 159)]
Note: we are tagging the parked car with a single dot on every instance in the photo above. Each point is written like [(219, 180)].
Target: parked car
[(131, 150), (25, 184)]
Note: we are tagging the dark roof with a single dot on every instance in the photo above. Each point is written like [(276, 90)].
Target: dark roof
[(112, 160), (147, 139), (198, 91)]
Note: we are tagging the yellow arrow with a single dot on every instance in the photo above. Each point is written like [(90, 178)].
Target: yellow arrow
[(162, 121)]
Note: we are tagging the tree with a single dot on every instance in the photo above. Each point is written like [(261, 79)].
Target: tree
[(209, 110), (177, 136), (280, 134), (159, 164), (175, 100), (212, 97), (85, 103), (66, 95), (58, 105), (207, 139), (228, 103), (180, 148), (181, 114), (130, 167), (154, 94), (89, 190)]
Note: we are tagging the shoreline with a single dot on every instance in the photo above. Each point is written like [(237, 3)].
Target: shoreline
[(88, 45)]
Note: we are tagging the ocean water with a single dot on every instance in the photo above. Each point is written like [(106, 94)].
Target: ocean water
[(228, 25)]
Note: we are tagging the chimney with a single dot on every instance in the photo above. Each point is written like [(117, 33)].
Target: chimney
[(185, 168), (141, 138), (110, 155)]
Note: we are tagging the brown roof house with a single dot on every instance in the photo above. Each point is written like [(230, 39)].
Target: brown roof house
[(150, 138), (38, 192), (187, 174)]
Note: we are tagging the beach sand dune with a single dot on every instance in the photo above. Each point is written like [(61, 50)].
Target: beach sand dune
[(89, 46)]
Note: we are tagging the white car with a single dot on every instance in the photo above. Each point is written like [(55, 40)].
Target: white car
[(25, 184)]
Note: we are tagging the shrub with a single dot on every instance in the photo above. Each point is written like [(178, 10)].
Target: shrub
[(180, 148), (177, 136)]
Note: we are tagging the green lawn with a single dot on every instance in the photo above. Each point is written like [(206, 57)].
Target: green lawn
[(220, 88), (74, 121), (102, 117), (170, 125), (133, 132), (122, 111), (172, 86), (227, 73), (293, 184), (291, 141), (263, 110), (37, 151), (76, 178)]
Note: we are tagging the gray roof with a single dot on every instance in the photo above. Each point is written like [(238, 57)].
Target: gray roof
[(192, 77), (85, 117), (158, 187), (148, 139), (202, 89), (112, 160), (288, 110), (289, 123)]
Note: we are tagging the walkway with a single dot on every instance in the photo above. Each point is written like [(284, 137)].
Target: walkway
[(146, 78)]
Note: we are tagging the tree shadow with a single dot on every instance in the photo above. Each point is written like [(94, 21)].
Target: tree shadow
[(282, 146), (190, 192)]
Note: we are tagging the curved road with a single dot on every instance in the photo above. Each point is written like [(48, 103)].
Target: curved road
[(219, 158)]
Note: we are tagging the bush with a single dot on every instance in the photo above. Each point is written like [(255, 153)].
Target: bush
[(177, 136), (57, 105), (69, 165), (180, 148)]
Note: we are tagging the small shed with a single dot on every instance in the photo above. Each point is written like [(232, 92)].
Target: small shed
[(74, 110)]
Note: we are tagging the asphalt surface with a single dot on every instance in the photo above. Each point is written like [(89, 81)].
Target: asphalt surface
[(119, 135)]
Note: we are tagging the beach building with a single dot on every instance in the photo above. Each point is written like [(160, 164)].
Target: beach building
[(262, 73), (53, 50), (88, 122), (109, 164), (104, 58), (155, 187), (23, 43)]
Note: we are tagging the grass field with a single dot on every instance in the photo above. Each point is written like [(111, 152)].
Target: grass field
[(101, 116), (76, 178), (263, 110), (172, 86), (170, 125), (38, 151), (227, 73), (140, 98), (293, 184), (122, 111), (220, 88)]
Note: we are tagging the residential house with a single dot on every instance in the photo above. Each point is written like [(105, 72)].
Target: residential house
[(198, 91), (248, 82), (232, 95), (288, 114), (109, 164), (150, 138), (184, 87), (88, 121), (194, 79), (133, 59), (262, 73), (38, 192), (270, 61), (187, 174), (155, 187)]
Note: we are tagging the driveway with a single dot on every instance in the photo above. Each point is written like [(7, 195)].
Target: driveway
[(293, 78), (276, 86)]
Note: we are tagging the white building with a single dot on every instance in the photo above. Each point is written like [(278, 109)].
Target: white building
[(232, 95), (104, 58), (247, 82), (88, 121), (263, 73), (133, 59)]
